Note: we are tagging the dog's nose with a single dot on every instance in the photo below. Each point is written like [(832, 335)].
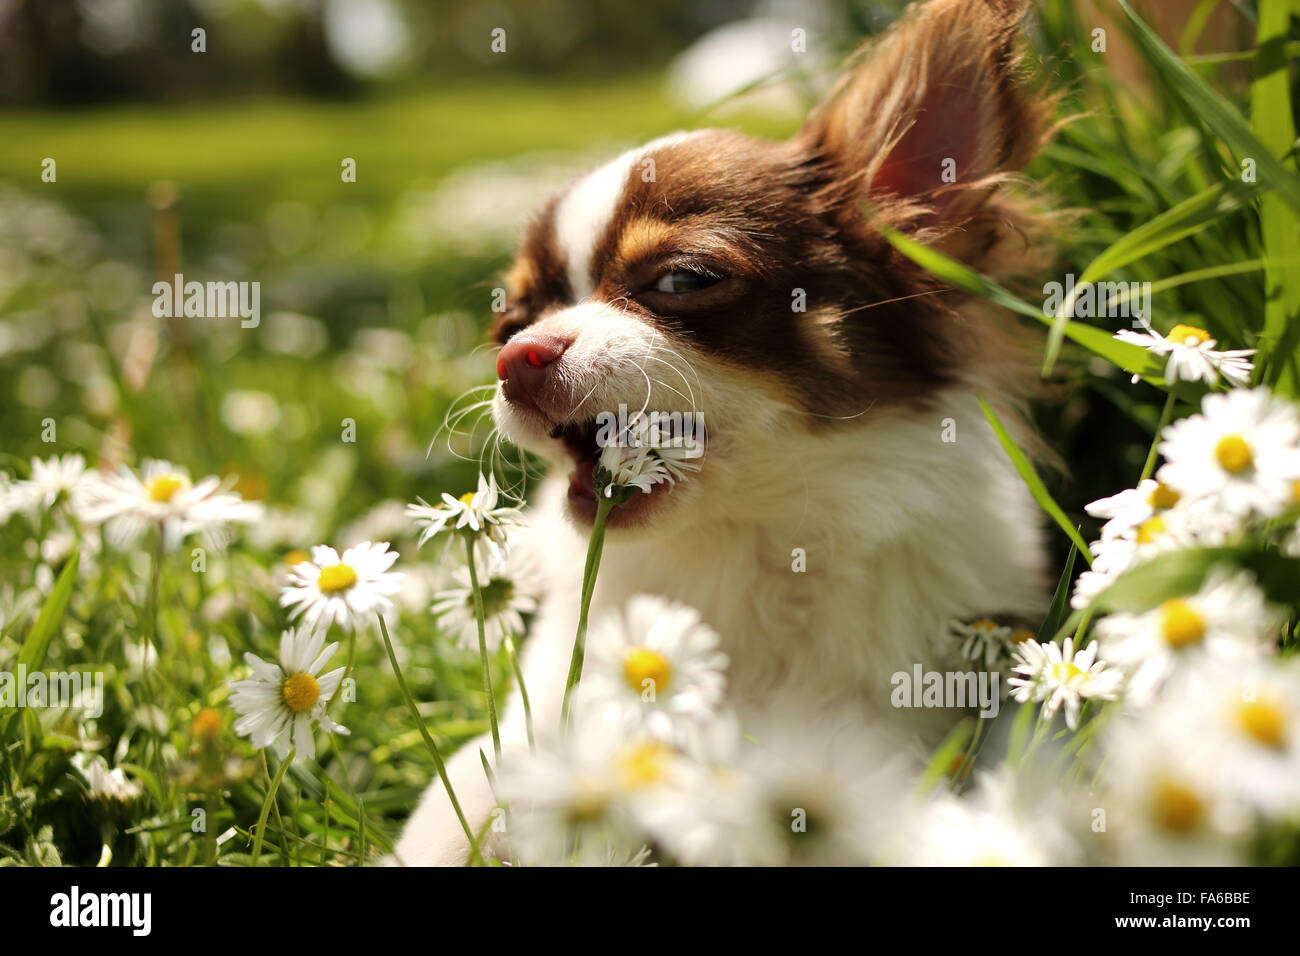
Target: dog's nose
[(523, 362)]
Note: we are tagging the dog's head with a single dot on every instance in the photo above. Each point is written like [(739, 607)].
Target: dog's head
[(747, 280)]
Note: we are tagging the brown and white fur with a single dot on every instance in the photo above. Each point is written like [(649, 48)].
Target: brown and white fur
[(825, 426)]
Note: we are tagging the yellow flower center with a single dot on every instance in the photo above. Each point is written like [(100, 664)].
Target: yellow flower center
[(300, 692), (162, 487), (1187, 335), (588, 802), (206, 724), (467, 498), (1150, 529), (1177, 807), (296, 556), (1233, 454), (1022, 635), (1066, 671), (1180, 624), (642, 765), (642, 664), (1263, 721), (1162, 497), (1295, 492), (336, 578), (984, 624)]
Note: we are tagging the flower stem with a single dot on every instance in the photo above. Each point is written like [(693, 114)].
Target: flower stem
[(594, 549), (1165, 413), (523, 688), (151, 640), (356, 799), (428, 741), (271, 791), (482, 646)]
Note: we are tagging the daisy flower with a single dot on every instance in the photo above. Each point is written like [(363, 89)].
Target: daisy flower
[(1058, 676), (1247, 714), (1198, 524), (1164, 790), (653, 666), (647, 453), (60, 477), (477, 512), (1227, 619), (1242, 452), (1130, 509), (111, 786), (678, 455), (347, 590), (1192, 356), (587, 789), (992, 826), (282, 703), (629, 467), (163, 495), (793, 793), (982, 641), (504, 605)]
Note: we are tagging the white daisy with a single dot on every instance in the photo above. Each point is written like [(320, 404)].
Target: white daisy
[(1227, 619), (654, 666), (1163, 791), (60, 477), (281, 703), (1242, 452), (347, 590), (163, 495), (103, 783), (8, 501), (585, 790), (796, 792), (1056, 675), (1186, 525), (992, 826), (1130, 509), (1192, 356), (678, 454), (478, 512), (504, 605), (629, 467), (1247, 713), (983, 641)]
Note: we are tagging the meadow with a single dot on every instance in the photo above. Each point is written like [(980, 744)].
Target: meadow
[(341, 407)]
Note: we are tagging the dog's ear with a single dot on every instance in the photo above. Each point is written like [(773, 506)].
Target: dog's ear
[(930, 119)]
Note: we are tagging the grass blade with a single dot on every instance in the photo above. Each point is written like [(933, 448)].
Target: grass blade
[(1206, 106), (1270, 107), (1033, 482)]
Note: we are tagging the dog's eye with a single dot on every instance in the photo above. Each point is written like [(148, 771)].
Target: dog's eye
[(685, 280)]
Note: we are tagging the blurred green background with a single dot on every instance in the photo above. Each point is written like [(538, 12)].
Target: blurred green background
[(225, 165)]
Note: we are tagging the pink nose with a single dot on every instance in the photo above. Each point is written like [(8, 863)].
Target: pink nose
[(523, 363)]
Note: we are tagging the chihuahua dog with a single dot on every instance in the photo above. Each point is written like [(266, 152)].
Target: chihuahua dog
[(852, 499)]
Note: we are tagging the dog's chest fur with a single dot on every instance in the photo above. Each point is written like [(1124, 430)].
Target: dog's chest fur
[(856, 551)]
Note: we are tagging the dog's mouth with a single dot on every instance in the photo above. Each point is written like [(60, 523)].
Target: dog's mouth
[(579, 441)]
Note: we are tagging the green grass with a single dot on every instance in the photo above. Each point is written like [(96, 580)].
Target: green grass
[(238, 157), (1152, 175)]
